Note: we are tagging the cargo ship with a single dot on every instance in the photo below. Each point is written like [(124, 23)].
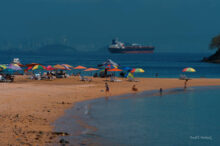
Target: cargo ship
[(120, 47)]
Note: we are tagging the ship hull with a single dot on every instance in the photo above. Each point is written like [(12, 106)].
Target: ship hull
[(130, 50)]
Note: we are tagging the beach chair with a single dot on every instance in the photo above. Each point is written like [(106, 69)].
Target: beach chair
[(37, 76), (2, 79), (112, 79), (82, 78), (132, 79), (183, 77)]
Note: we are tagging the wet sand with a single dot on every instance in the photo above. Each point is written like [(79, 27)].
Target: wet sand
[(27, 108)]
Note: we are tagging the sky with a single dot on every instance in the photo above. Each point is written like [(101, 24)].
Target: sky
[(169, 25)]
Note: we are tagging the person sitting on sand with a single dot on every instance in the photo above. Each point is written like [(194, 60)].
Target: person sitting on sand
[(134, 88)]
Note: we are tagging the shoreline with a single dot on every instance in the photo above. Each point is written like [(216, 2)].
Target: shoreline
[(75, 120), (28, 108)]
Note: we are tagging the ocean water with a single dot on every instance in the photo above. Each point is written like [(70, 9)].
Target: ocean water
[(177, 118), (165, 64)]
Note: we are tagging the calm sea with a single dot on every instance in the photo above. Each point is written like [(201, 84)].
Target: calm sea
[(178, 118), (165, 64)]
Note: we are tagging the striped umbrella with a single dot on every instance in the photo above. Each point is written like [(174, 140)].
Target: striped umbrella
[(189, 69), (14, 67), (3, 66), (49, 67), (32, 64), (136, 70), (67, 66), (38, 67)]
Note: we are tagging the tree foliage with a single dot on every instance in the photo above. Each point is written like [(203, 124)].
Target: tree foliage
[(215, 43)]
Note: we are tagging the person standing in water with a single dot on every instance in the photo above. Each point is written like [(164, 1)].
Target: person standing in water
[(161, 91), (106, 88)]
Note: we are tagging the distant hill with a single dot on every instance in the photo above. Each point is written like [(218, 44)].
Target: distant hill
[(55, 49), (215, 58), (215, 44)]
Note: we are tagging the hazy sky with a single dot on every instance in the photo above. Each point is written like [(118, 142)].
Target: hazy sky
[(170, 25)]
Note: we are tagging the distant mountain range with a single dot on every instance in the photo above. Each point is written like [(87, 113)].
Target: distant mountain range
[(54, 49)]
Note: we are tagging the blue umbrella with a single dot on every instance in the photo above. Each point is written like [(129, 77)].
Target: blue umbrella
[(127, 68)]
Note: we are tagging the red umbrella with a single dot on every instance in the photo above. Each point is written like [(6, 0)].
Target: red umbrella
[(49, 67), (80, 67), (91, 69), (115, 69), (32, 64)]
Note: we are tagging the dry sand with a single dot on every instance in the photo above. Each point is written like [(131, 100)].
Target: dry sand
[(27, 108)]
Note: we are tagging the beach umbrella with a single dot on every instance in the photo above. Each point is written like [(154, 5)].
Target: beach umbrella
[(189, 69), (29, 67), (32, 64), (3, 66), (131, 75), (137, 70), (115, 69), (80, 67), (134, 70), (38, 67), (14, 67), (67, 66), (127, 68), (21, 65), (58, 66), (91, 69), (109, 64), (49, 67)]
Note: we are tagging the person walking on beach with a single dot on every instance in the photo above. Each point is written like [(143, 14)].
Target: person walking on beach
[(185, 84)]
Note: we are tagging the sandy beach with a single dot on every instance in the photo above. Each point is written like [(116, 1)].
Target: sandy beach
[(29, 107)]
